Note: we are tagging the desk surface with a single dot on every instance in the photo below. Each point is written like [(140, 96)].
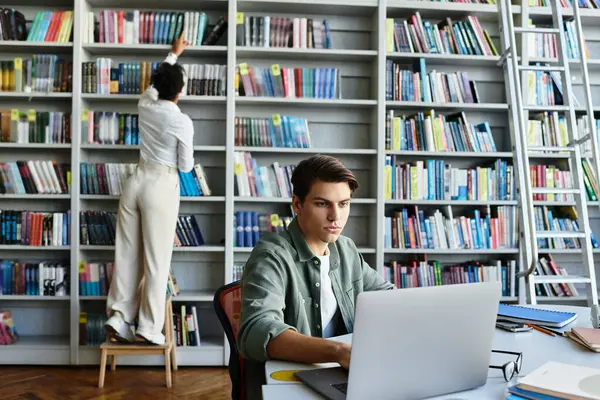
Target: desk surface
[(537, 348)]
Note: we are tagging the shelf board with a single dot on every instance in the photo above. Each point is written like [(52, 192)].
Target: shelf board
[(246, 199), (12, 196), (109, 147), (52, 146), (16, 247), (287, 53), (446, 106), (450, 251), (116, 49), (40, 95), (184, 295), (191, 199), (183, 249), (447, 59), (136, 97), (453, 202), (363, 250), (21, 46), (39, 343), (310, 150), (448, 154), (306, 102), (34, 298), (326, 7), (432, 9)]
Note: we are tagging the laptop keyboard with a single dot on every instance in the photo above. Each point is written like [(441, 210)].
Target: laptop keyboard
[(342, 387)]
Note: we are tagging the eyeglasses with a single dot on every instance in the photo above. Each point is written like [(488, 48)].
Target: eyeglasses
[(510, 368)]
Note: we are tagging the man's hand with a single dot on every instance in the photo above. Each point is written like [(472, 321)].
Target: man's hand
[(344, 355), (179, 45)]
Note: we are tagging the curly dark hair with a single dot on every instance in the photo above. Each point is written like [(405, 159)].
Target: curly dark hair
[(168, 80)]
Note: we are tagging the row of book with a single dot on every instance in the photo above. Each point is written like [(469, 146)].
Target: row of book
[(34, 126), (34, 177), (8, 330), (105, 76), (109, 127), (561, 219), (237, 272), (437, 231), (152, 27), (98, 228), (433, 273), (436, 87), (271, 31), (547, 266), (550, 176), (31, 228), (413, 35), (249, 226), (424, 131), (543, 88), (543, 45), (276, 81), (91, 328), (13, 24), (566, 3), (108, 179), (205, 80), (95, 279), (52, 26), (253, 180), (34, 279), (437, 180), (41, 73), (276, 131)]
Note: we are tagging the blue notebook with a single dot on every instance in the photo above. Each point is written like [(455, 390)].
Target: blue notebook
[(516, 393), (556, 319)]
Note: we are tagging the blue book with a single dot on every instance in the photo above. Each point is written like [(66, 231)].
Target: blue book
[(519, 393), (514, 313)]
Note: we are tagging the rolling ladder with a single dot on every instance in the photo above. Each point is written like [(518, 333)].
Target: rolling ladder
[(517, 95)]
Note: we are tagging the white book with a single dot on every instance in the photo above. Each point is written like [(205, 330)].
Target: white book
[(562, 380), (197, 328)]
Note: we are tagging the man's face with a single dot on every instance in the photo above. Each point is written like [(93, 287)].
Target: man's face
[(324, 212)]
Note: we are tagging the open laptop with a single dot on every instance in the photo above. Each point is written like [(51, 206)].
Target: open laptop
[(415, 343)]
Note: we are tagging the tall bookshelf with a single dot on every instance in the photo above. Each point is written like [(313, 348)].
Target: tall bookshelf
[(351, 127)]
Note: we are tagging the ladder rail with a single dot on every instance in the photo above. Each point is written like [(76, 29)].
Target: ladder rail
[(575, 156), (527, 242), (592, 131)]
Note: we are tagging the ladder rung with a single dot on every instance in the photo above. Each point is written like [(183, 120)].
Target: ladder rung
[(547, 68), (560, 279), (560, 235), (536, 30), (550, 148), (555, 191)]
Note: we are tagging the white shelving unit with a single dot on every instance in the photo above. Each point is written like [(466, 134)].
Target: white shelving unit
[(351, 128)]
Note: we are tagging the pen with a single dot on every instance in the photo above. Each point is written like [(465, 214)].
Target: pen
[(539, 328)]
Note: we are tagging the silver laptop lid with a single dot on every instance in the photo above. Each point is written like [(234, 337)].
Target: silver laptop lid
[(422, 342)]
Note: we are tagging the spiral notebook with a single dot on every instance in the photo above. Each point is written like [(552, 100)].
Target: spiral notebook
[(556, 319)]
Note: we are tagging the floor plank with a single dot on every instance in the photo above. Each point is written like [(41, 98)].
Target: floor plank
[(66, 383)]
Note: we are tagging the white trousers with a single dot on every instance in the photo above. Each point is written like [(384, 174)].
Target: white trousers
[(146, 222)]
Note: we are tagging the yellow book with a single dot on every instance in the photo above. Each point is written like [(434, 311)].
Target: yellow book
[(389, 35)]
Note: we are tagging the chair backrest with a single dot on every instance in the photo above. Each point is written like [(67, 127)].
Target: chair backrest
[(228, 306)]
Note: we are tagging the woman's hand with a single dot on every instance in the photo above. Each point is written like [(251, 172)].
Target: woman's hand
[(179, 45)]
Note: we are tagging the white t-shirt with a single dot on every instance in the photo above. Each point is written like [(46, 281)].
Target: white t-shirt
[(328, 301)]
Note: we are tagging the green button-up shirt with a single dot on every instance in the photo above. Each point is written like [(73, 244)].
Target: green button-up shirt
[(281, 290)]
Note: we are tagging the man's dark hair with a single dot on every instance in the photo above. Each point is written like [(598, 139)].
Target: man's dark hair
[(168, 80), (321, 167)]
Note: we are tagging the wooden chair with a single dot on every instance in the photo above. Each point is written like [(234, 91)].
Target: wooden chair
[(113, 349)]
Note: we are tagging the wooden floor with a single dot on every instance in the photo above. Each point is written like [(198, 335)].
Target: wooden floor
[(139, 383)]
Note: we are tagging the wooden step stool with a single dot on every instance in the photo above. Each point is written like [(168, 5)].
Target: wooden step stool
[(113, 349)]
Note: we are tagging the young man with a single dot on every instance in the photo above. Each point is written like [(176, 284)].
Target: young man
[(149, 207), (300, 286)]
